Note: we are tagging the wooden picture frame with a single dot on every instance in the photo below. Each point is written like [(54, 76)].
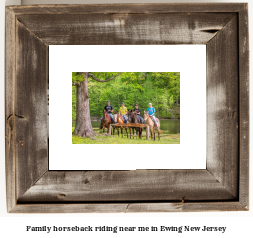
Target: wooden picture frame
[(222, 186)]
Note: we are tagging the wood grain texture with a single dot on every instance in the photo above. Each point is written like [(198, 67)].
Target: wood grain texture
[(9, 109), (222, 107), (244, 107), (186, 207), (129, 207), (139, 185), (30, 109), (155, 8), (132, 29)]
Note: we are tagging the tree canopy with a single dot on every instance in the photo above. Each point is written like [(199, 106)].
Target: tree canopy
[(162, 89)]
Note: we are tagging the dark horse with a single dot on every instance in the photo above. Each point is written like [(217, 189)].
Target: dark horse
[(106, 121), (133, 118)]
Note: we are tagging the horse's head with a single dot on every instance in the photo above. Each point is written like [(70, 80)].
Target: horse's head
[(115, 116), (145, 116), (135, 118), (130, 115), (105, 116)]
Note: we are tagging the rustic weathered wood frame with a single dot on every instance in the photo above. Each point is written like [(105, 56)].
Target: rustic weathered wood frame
[(222, 186)]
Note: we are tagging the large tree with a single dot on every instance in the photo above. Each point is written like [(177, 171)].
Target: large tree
[(83, 125)]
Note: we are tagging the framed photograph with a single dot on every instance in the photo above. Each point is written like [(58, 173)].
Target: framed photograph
[(123, 133), (160, 123)]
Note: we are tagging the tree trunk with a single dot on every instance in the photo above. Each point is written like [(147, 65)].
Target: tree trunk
[(83, 126)]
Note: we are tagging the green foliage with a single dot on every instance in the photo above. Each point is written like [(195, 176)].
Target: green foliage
[(77, 77), (161, 89)]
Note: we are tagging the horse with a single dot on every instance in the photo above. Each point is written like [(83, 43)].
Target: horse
[(118, 119), (150, 122), (133, 118), (106, 121)]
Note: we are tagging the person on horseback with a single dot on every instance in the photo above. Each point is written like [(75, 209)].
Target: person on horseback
[(151, 112), (138, 112), (109, 109), (123, 111)]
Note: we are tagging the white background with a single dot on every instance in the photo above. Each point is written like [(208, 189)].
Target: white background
[(189, 60), (239, 223)]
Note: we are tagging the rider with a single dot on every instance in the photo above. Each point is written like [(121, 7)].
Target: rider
[(123, 111), (138, 112), (109, 110), (151, 112)]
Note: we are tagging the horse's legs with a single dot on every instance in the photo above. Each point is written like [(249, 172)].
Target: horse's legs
[(113, 130), (121, 132), (103, 129), (118, 131), (130, 132), (154, 134), (126, 132)]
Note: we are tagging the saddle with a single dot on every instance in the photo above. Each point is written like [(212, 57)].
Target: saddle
[(121, 117), (152, 118)]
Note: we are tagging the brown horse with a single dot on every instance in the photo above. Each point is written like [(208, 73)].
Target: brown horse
[(151, 124), (106, 121), (118, 119), (133, 118)]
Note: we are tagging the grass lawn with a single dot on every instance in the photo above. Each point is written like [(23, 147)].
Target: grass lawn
[(101, 138)]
